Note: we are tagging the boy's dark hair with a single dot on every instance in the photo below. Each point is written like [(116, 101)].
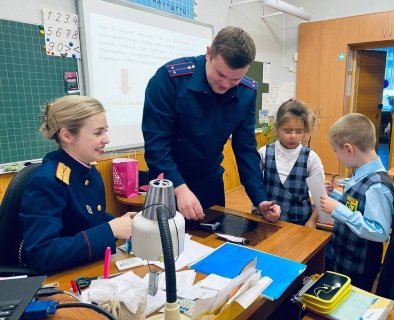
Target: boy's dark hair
[(236, 47)]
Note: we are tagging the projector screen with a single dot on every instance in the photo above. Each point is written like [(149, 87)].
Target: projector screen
[(123, 44)]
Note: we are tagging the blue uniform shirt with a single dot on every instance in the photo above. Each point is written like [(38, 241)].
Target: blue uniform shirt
[(185, 126), (63, 215)]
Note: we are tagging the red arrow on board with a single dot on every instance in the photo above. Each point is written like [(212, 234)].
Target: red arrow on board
[(124, 81)]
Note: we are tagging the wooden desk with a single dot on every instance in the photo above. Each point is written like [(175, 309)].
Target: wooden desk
[(291, 241)]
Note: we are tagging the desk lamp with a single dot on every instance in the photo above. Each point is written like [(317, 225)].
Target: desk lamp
[(159, 231)]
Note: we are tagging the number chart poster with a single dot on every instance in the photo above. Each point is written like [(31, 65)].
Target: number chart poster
[(61, 34)]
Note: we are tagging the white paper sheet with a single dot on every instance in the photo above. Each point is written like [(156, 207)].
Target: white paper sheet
[(192, 252), (316, 186)]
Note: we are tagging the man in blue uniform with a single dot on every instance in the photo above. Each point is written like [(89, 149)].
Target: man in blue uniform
[(192, 107)]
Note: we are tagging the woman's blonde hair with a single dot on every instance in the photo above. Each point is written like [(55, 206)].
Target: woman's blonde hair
[(69, 112)]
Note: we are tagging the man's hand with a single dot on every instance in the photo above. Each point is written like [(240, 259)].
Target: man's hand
[(328, 204), (270, 210), (188, 204)]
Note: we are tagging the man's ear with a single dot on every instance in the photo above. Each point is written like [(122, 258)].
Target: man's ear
[(208, 53), (65, 135)]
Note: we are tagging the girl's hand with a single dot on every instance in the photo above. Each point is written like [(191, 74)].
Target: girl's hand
[(270, 210), (329, 186)]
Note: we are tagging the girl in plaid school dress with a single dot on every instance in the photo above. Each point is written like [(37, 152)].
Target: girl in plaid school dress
[(286, 164)]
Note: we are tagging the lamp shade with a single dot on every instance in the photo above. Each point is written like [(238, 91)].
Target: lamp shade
[(146, 238), (160, 192)]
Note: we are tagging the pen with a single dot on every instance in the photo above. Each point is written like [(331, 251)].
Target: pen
[(128, 246), (74, 287), (241, 241), (107, 260), (78, 288)]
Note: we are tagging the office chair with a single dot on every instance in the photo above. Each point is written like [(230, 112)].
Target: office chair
[(11, 238), (385, 286)]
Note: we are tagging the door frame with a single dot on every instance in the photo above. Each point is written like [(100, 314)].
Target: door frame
[(351, 87)]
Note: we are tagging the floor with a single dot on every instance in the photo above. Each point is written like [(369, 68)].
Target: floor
[(237, 199)]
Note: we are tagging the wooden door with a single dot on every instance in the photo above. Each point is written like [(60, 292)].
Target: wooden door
[(308, 64), (334, 51), (369, 85), (321, 145)]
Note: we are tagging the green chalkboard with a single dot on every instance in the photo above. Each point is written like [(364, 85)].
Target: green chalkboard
[(256, 73), (28, 79)]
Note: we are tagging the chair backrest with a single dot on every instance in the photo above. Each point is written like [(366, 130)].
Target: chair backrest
[(10, 224), (385, 286)]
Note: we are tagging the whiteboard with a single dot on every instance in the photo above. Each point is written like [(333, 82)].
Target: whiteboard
[(123, 44)]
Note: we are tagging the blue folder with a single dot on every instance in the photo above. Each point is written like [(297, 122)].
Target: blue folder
[(229, 259)]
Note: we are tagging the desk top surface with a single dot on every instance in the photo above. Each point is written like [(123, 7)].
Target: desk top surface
[(289, 241)]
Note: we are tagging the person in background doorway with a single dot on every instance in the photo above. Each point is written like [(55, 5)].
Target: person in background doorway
[(192, 107), (63, 210), (363, 213), (286, 163)]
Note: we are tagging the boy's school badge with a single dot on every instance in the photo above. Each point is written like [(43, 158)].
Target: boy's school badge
[(351, 203), (63, 173)]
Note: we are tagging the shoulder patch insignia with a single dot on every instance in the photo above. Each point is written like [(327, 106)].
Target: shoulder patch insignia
[(63, 173), (249, 82), (180, 69)]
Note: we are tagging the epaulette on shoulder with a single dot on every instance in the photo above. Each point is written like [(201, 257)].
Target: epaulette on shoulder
[(249, 82), (180, 69), (63, 173)]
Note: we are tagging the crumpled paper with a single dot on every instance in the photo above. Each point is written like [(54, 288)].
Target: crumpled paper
[(127, 288)]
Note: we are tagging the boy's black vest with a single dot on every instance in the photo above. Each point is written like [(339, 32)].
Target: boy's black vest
[(350, 252)]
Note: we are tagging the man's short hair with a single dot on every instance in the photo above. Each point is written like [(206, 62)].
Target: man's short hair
[(353, 128), (236, 47)]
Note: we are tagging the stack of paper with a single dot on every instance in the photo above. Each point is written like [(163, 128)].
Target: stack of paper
[(234, 295)]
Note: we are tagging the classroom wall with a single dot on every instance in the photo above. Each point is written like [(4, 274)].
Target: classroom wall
[(30, 11), (217, 13), (278, 45), (275, 44), (323, 10)]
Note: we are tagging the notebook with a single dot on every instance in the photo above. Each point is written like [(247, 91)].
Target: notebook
[(16, 294)]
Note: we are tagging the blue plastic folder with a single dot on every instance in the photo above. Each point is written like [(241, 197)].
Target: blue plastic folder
[(229, 259)]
